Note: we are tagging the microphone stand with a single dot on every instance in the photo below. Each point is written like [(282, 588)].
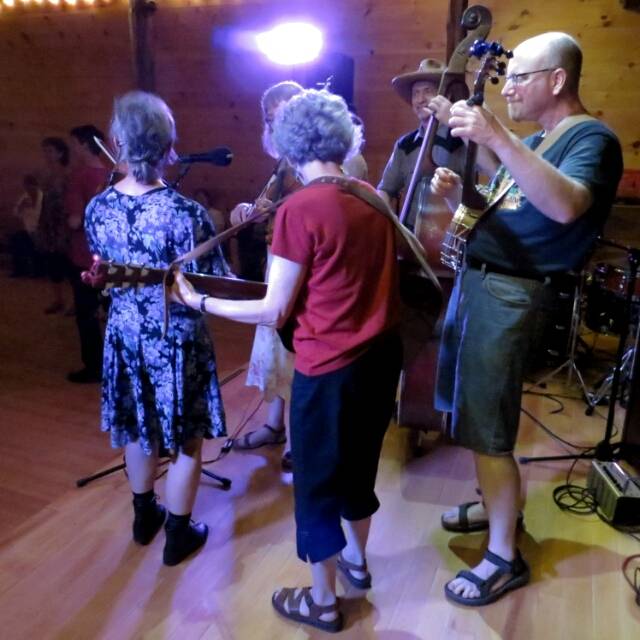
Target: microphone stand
[(184, 169), (225, 483), (605, 450)]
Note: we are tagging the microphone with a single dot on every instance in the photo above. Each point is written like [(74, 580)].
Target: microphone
[(220, 156)]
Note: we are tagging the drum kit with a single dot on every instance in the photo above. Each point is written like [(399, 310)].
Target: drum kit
[(604, 301)]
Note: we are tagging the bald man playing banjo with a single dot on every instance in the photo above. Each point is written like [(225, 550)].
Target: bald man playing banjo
[(553, 206)]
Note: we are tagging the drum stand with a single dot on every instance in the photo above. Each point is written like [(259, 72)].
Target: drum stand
[(569, 364), (605, 449), (602, 391)]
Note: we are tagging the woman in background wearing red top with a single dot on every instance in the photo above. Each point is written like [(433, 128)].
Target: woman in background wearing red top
[(334, 275)]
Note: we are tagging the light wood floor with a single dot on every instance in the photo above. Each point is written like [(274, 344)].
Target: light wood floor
[(68, 567)]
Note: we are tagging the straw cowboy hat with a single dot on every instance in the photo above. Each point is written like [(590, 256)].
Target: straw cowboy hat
[(429, 70)]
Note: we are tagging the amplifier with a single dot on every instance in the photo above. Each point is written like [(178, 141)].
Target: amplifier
[(615, 492)]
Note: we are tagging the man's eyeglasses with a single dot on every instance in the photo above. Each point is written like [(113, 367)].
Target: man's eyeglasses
[(520, 78)]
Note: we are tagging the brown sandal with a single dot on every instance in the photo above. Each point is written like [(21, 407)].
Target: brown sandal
[(287, 596), (347, 567), (277, 436)]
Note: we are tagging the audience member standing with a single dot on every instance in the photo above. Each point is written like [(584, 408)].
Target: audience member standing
[(26, 212), (88, 176), (53, 233)]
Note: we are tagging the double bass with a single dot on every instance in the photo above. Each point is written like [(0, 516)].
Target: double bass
[(417, 383)]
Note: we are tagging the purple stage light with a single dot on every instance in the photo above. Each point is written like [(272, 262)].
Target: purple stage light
[(291, 43)]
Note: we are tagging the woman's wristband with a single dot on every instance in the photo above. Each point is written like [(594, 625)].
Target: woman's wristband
[(203, 300)]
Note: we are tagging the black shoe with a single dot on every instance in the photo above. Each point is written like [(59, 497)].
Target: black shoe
[(85, 376), (182, 539), (148, 520)]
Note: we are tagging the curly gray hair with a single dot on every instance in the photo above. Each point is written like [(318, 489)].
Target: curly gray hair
[(145, 132), (316, 125)]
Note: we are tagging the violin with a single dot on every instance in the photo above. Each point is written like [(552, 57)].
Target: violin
[(281, 183)]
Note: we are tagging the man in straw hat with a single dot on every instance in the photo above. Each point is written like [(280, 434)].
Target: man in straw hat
[(420, 90)]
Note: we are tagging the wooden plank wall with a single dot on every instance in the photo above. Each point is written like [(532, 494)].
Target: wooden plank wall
[(59, 69)]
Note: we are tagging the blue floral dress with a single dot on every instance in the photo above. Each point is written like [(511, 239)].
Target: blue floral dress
[(155, 389)]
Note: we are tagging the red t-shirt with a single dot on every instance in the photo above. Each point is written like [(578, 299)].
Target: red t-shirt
[(350, 292), (84, 183)]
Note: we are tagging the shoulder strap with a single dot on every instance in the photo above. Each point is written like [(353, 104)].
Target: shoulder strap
[(567, 123), (370, 197), (561, 128)]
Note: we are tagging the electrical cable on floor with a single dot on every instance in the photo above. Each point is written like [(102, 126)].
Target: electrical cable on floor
[(580, 501), (572, 497), (551, 396), (553, 435), (228, 445)]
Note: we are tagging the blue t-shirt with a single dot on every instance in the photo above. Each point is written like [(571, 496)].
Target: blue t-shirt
[(517, 236)]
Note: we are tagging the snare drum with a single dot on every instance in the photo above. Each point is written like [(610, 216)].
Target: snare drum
[(606, 292)]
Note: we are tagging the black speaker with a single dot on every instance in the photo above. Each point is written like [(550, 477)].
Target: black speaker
[(336, 68)]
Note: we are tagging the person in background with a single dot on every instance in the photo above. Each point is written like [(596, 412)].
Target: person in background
[(230, 247), (87, 177), (53, 233), (203, 196), (25, 258), (270, 365), (159, 391), (331, 249), (420, 90)]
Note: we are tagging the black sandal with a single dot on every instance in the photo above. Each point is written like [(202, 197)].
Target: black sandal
[(463, 525), (518, 569), (277, 436), (287, 595)]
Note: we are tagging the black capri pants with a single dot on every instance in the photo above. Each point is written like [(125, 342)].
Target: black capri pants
[(338, 421)]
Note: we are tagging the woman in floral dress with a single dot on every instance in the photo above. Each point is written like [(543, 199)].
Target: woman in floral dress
[(159, 392)]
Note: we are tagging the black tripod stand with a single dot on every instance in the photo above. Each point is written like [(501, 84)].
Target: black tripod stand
[(225, 483), (605, 450)]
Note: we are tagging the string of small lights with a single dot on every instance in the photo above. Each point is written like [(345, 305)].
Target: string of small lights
[(7, 6)]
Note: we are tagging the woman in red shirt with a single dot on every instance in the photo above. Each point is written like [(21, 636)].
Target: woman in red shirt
[(334, 277)]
